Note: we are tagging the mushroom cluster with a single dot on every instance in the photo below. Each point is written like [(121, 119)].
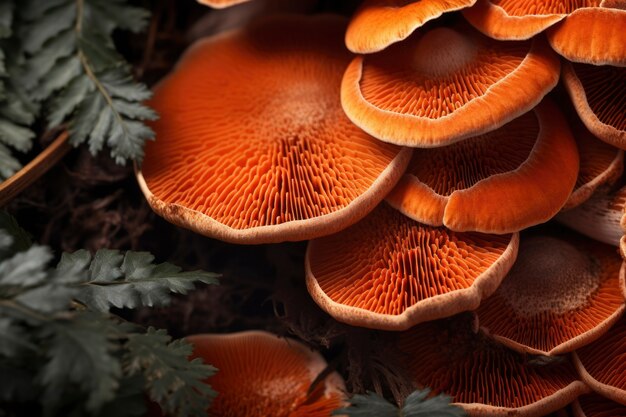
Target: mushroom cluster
[(412, 149)]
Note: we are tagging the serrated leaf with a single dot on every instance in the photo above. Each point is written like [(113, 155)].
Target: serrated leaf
[(85, 117), (26, 268), (6, 18), (9, 165), (134, 110), (130, 400), (60, 76), (136, 281), (61, 46), (68, 100), (16, 136), (417, 404), (47, 299), (81, 353), (48, 25), (173, 381)]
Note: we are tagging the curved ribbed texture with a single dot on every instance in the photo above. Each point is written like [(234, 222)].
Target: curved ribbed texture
[(601, 164), (446, 84), (390, 272), (252, 144), (559, 295), (602, 364), (520, 19), (483, 377), (599, 96), (500, 182), (260, 374), (380, 23)]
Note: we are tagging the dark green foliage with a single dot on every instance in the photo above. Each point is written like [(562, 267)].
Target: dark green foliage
[(60, 346), (417, 404), (58, 61)]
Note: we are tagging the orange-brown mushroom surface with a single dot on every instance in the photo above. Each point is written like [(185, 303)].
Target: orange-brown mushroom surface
[(602, 364), (500, 182), (592, 35), (380, 23), (520, 19), (390, 272), (252, 144), (483, 377), (601, 165), (260, 374), (220, 4), (598, 96), (594, 405), (600, 217), (446, 84), (560, 294)]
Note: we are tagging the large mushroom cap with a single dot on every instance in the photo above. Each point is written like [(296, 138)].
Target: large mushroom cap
[(593, 35), (602, 364), (390, 272), (594, 405), (598, 96), (520, 19), (483, 377), (500, 182), (252, 144), (559, 295), (380, 23), (260, 374), (446, 84)]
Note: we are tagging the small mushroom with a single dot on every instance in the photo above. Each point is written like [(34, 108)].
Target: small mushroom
[(561, 294), (252, 143), (483, 377), (380, 23), (499, 182), (390, 272), (446, 84), (260, 374), (594, 405), (598, 96), (602, 364)]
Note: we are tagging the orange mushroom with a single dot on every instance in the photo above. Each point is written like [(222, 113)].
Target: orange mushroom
[(390, 272), (602, 364), (483, 377), (260, 374), (592, 35), (601, 165), (594, 405), (500, 182), (600, 217), (518, 19), (598, 96), (560, 294), (380, 23), (446, 84), (252, 144), (221, 4)]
